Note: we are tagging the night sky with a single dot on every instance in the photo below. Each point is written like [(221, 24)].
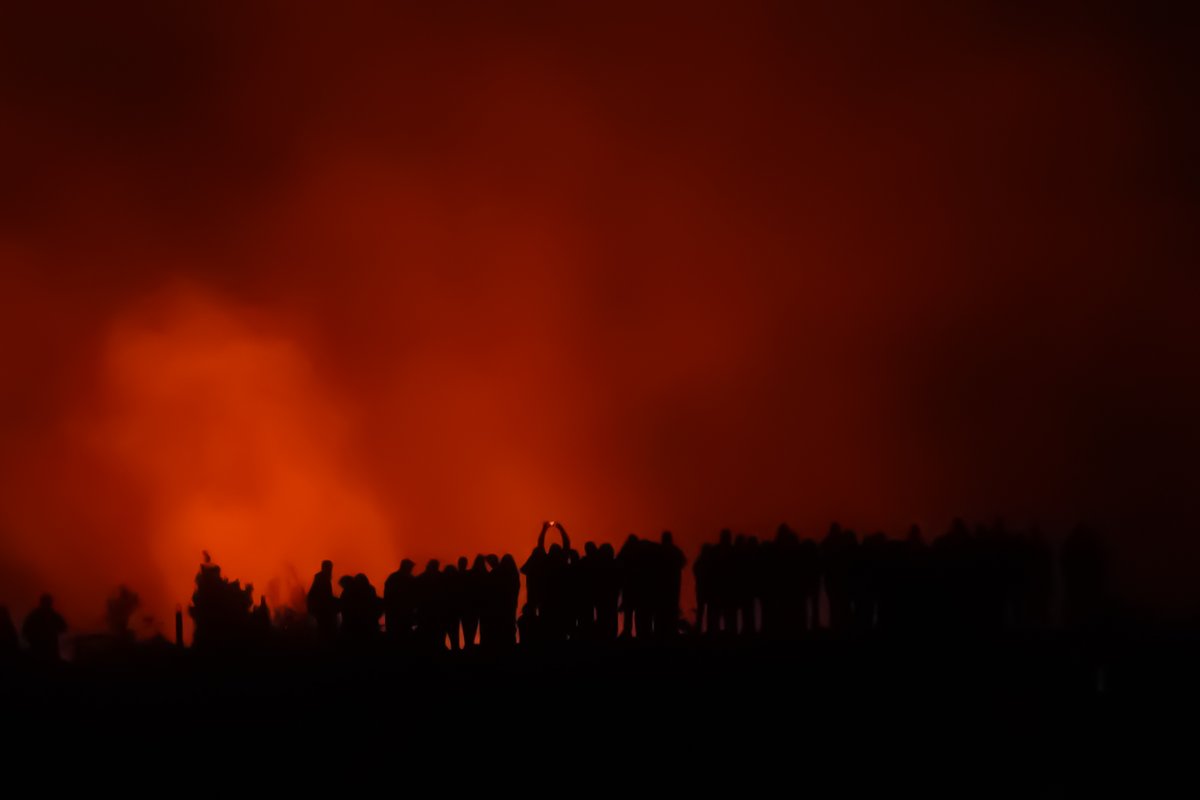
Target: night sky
[(288, 281)]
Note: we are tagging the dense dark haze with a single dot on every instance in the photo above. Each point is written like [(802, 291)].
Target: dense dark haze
[(283, 281)]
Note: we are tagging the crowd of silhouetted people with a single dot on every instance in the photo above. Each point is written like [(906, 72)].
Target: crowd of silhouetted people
[(432, 609), (984, 579), (568, 596)]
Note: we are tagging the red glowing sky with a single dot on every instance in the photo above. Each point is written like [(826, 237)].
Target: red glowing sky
[(287, 283)]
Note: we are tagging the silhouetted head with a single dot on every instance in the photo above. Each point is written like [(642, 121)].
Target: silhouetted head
[(493, 560), (345, 582), (362, 580), (463, 563), (667, 538), (726, 536), (509, 562), (327, 567), (914, 534), (480, 564), (407, 566), (785, 534), (556, 550), (631, 539), (589, 548), (607, 550), (450, 570), (46, 601), (433, 565)]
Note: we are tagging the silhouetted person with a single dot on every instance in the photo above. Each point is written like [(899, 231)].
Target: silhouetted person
[(586, 591), (10, 643), (914, 588), (607, 576), (808, 577), (782, 588), (508, 586), (490, 601), (431, 627), (450, 605), (702, 583), (361, 608), (574, 614), (42, 628), (952, 556), (892, 580), (994, 576), (838, 552), (119, 609), (547, 584), (631, 595), (400, 603), (865, 572), (555, 613), (220, 609), (530, 627), (262, 619), (534, 570), (460, 600), (475, 591), (745, 571), (668, 579), (372, 603), (322, 605), (721, 579)]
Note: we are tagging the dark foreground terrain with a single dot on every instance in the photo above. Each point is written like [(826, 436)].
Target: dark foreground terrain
[(1035, 715)]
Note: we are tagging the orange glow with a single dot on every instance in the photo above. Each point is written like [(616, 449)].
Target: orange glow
[(239, 448), (287, 285)]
